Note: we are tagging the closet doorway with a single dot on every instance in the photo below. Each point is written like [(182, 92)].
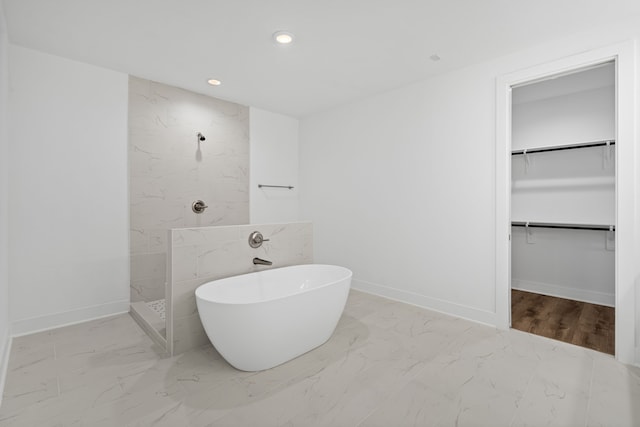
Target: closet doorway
[(563, 207), (566, 200)]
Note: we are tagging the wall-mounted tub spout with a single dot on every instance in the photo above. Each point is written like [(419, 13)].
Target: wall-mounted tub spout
[(259, 261)]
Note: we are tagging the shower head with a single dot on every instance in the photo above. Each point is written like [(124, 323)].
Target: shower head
[(200, 137)]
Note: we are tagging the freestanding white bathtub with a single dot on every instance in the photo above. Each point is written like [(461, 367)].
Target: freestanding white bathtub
[(260, 320)]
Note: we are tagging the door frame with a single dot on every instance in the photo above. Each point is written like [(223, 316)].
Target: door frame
[(627, 224)]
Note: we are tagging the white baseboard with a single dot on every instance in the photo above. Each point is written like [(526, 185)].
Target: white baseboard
[(575, 294), (435, 304), (52, 321), (5, 351)]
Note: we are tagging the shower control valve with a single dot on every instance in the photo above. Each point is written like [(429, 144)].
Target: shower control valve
[(198, 206), (256, 238)]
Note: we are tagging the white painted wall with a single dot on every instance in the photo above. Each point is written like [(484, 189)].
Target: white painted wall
[(68, 196), (573, 264), (401, 186), (569, 119), (400, 190), (572, 186), (5, 329), (274, 160)]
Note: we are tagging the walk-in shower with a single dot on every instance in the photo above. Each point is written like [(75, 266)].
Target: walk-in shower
[(174, 183)]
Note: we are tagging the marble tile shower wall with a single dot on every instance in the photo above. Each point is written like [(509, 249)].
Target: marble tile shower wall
[(169, 169), (199, 255)]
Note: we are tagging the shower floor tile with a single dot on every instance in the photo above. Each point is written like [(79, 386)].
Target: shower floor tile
[(387, 364), (158, 307)]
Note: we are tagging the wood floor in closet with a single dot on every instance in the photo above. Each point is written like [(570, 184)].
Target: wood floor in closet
[(575, 322)]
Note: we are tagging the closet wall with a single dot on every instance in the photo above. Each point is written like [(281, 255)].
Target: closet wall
[(574, 186)]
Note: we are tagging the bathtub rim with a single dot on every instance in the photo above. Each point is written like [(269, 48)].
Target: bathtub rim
[(200, 298)]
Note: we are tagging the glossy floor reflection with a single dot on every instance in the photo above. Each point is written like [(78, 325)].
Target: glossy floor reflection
[(388, 364)]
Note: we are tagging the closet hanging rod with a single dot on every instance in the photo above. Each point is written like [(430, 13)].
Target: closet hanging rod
[(275, 186), (564, 226), (565, 147)]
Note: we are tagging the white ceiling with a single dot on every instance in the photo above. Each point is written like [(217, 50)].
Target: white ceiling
[(344, 49)]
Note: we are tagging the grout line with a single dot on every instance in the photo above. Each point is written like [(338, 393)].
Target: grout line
[(524, 394), (4, 365), (55, 358), (586, 412)]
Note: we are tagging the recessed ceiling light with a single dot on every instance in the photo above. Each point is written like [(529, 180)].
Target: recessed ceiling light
[(435, 57), (283, 37), (214, 82)]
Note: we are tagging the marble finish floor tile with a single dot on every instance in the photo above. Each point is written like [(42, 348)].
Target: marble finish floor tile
[(387, 364)]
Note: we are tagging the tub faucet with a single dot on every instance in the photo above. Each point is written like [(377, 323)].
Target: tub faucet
[(258, 261)]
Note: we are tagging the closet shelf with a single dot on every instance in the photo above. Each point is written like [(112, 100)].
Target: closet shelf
[(560, 183), (602, 143), (568, 226)]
